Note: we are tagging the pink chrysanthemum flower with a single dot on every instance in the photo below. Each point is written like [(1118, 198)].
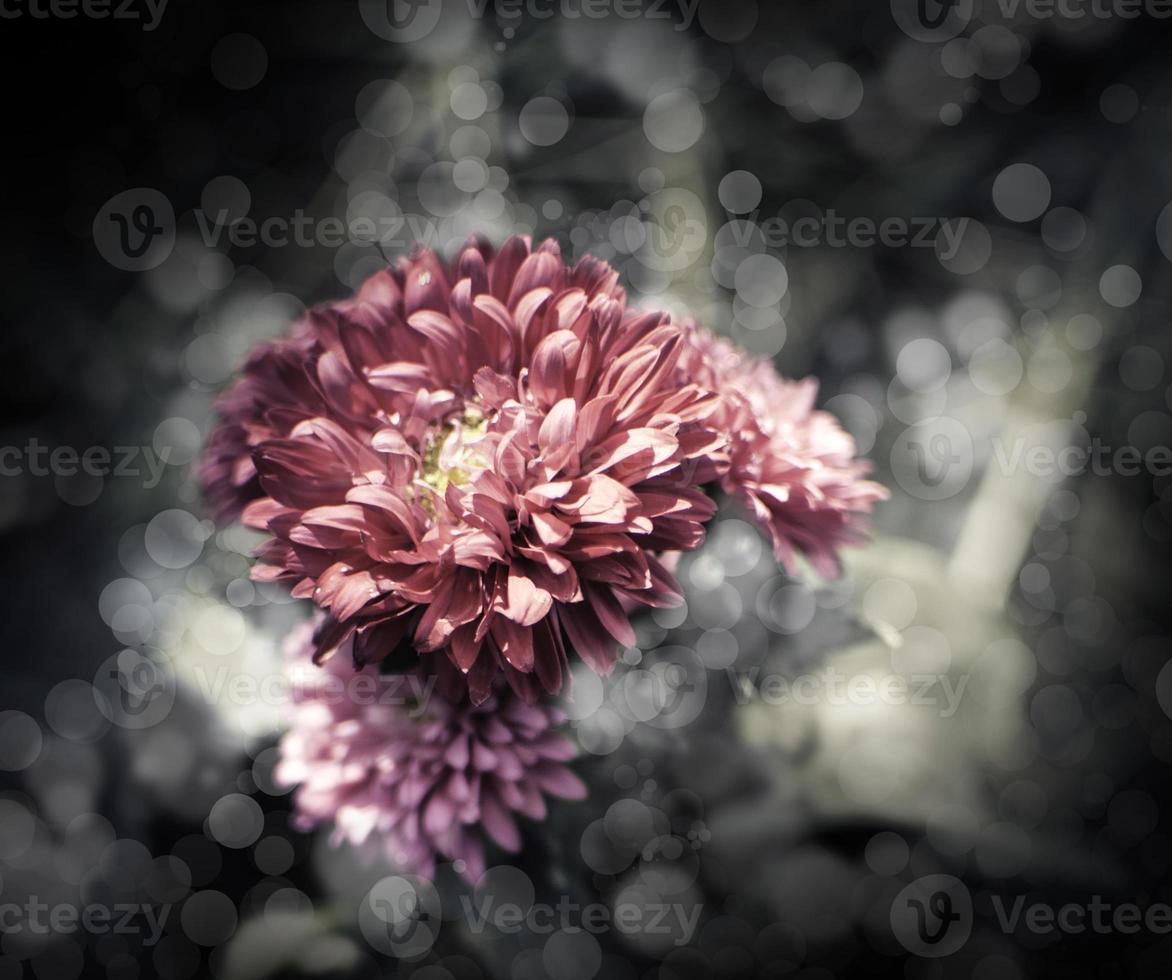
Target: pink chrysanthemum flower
[(425, 779), (273, 395), (791, 466), (486, 456)]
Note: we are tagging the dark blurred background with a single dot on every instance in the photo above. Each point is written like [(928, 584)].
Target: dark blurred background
[(956, 216)]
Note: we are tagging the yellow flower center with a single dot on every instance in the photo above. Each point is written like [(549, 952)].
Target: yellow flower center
[(453, 455)]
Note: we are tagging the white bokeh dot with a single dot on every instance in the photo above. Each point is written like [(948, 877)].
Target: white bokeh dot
[(964, 246), (674, 121), (995, 367), (739, 192), (1141, 368), (225, 199), (1164, 231), (834, 90), (1119, 103), (1084, 331), (923, 364), (469, 101), (174, 538), (177, 440), (239, 61), (384, 108), (544, 121), (1021, 192), (20, 741), (236, 820), (1064, 229), (786, 80), (208, 917), (1120, 286), (761, 280)]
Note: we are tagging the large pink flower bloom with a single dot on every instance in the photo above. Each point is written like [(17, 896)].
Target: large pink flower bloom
[(485, 456), (428, 779), (792, 467), (273, 395)]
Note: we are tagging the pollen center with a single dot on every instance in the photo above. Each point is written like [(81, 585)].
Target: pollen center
[(454, 454)]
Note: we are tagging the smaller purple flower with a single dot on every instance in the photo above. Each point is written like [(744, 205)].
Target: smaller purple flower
[(428, 776)]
